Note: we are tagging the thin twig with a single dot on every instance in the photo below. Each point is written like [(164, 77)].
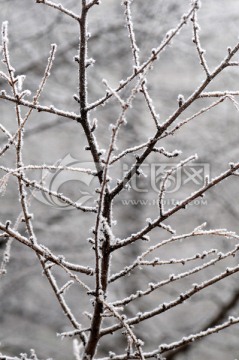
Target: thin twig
[(183, 204), (59, 7), (146, 65)]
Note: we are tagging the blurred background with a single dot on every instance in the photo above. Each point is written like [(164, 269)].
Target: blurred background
[(30, 317)]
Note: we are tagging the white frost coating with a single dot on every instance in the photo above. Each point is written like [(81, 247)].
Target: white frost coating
[(103, 241)]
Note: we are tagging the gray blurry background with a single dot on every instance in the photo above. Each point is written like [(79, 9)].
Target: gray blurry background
[(29, 315)]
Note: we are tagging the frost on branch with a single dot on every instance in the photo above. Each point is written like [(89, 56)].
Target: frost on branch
[(155, 252)]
